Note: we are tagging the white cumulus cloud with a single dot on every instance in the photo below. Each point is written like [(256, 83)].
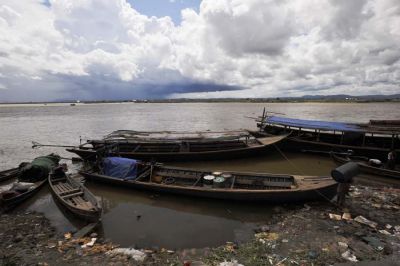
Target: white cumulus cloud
[(229, 48)]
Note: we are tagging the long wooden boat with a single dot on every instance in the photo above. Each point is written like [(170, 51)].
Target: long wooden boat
[(8, 174), (374, 139), (365, 167), (182, 150), (239, 186), (75, 197), (13, 197)]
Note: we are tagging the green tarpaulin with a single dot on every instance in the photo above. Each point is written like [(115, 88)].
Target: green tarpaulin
[(39, 168)]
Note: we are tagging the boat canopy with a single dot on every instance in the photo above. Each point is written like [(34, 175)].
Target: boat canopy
[(118, 167), (175, 136), (329, 126)]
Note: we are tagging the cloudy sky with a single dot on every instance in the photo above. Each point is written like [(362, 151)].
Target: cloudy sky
[(126, 49)]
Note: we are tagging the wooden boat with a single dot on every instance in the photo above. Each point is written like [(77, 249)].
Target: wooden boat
[(75, 197), (374, 139), (11, 198), (365, 167), (33, 175), (181, 149), (239, 186), (8, 174)]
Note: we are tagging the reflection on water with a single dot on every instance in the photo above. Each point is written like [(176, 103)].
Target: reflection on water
[(174, 221), (135, 218)]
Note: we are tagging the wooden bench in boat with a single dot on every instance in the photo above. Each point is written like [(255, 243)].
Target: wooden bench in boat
[(64, 189), (79, 201), (72, 195)]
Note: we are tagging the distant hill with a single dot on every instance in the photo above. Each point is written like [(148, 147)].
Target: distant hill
[(305, 98), (348, 97)]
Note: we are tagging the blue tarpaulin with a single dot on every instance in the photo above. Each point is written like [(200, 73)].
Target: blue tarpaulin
[(118, 167), (314, 124)]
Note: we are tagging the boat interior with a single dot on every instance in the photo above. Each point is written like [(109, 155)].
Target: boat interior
[(73, 195), (339, 137), (191, 178)]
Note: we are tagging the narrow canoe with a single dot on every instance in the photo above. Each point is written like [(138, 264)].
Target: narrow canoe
[(366, 168), (11, 198), (8, 174), (182, 152), (239, 186), (75, 197)]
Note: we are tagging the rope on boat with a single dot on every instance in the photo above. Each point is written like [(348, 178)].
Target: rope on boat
[(289, 161), (301, 172)]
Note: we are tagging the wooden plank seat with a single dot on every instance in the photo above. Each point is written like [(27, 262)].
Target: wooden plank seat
[(62, 188), (58, 189), (58, 179), (79, 201), (70, 191), (72, 195)]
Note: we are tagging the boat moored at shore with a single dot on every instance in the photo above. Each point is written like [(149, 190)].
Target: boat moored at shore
[(374, 139), (365, 167), (225, 185), (181, 148)]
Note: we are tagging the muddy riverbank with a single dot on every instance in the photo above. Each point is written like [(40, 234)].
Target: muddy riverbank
[(316, 233)]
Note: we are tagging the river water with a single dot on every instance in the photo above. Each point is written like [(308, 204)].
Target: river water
[(141, 219)]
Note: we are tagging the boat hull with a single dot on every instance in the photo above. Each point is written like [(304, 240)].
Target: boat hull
[(10, 204), (392, 174), (90, 154), (301, 140), (301, 145), (9, 174), (324, 193)]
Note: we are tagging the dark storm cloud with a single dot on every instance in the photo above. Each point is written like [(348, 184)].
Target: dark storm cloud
[(99, 87)]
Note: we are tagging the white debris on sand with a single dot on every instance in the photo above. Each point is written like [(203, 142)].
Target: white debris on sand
[(362, 220), (349, 256), (90, 244), (230, 263), (335, 217), (343, 245), (131, 252)]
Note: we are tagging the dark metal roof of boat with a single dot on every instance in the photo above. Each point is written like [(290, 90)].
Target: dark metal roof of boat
[(330, 126)]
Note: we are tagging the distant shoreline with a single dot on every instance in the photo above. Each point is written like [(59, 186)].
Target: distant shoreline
[(275, 100)]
